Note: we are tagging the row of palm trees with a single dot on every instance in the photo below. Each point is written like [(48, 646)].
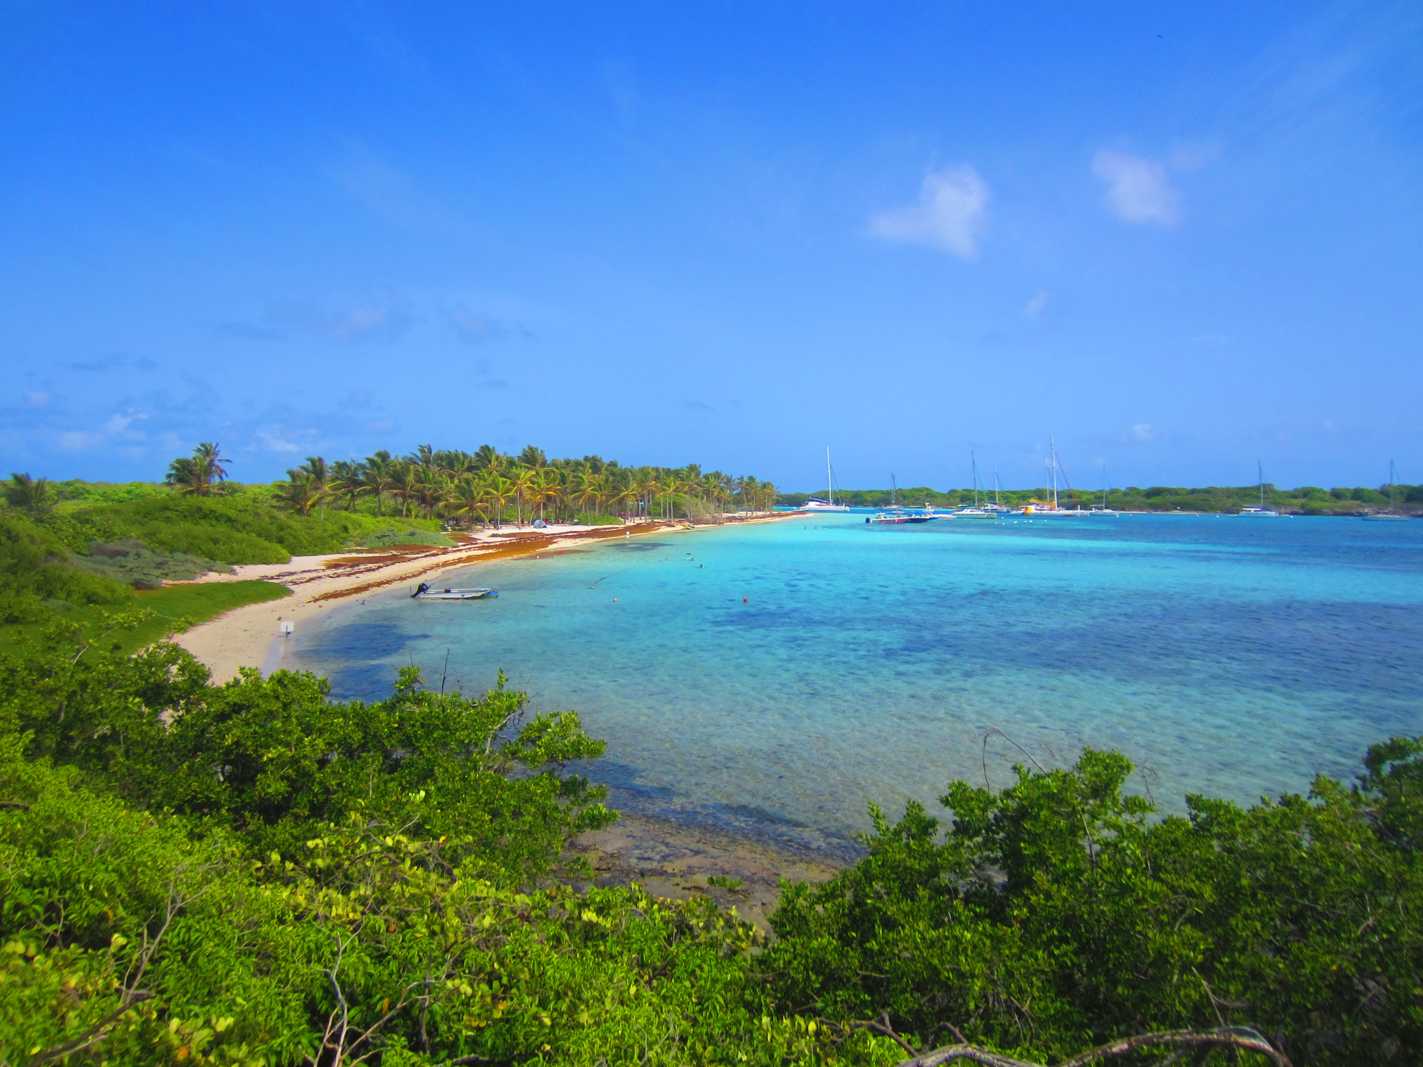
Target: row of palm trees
[(487, 486)]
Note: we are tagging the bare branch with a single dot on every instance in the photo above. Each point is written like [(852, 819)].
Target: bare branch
[(1234, 1037)]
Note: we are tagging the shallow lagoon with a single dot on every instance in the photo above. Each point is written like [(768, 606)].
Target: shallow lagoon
[(1225, 655)]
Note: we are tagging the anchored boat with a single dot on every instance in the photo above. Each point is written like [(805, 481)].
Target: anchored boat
[(424, 592)]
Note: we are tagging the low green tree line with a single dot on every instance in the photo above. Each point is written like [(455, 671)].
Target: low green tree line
[(1306, 500)]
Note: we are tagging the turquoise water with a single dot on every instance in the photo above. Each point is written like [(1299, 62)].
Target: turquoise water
[(1224, 655)]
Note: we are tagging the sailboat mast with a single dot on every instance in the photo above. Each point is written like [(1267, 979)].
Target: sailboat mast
[(995, 487), (1052, 462), (893, 491), (1260, 474), (1104, 486), (974, 460), (829, 478)]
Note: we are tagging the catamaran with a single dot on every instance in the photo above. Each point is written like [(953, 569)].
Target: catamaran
[(1260, 512), (815, 503), (1392, 512)]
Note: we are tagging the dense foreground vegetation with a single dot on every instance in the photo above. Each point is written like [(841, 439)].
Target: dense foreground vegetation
[(254, 874), (1306, 500)]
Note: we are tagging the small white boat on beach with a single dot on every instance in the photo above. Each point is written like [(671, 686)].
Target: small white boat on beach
[(424, 592)]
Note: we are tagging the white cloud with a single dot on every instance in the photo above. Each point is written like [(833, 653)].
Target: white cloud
[(117, 428), (117, 425), (1036, 305), (1138, 189), (78, 440), (1142, 432), (951, 214), (275, 441)]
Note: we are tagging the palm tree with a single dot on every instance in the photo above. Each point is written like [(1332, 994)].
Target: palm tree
[(624, 492), (320, 476), (648, 487), (546, 488), (406, 485), (430, 488), (183, 475), (669, 486), (379, 476), (523, 491), (499, 490), (486, 457), (303, 490), (587, 492), (470, 497), (348, 479), (424, 456), (29, 494), (209, 460)]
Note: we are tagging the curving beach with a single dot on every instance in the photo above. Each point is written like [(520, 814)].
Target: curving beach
[(244, 636)]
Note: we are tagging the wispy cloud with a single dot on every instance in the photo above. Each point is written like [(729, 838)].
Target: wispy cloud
[(114, 361), (276, 439), (1139, 190), (1036, 305), (373, 319), (118, 429), (950, 215), (1142, 432), (478, 327)]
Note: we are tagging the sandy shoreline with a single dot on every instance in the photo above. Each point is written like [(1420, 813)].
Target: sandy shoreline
[(244, 636)]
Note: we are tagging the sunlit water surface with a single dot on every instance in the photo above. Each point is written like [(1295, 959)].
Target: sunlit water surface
[(771, 680)]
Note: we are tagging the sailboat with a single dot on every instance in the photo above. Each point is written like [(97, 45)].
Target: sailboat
[(1051, 507), (1102, 509), (1392, 513), (997, 506), (815, 503), (977, 511), (1260, 512)]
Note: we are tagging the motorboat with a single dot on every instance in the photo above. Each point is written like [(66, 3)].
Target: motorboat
[(424, 592)]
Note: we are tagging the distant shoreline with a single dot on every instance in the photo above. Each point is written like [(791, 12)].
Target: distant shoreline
[(249, 636)]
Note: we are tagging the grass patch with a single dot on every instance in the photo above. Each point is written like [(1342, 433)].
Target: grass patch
[(408, 536), (177, 607), (134, 563)]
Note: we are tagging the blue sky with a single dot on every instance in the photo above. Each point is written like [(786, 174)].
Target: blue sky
[(730, 234)]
